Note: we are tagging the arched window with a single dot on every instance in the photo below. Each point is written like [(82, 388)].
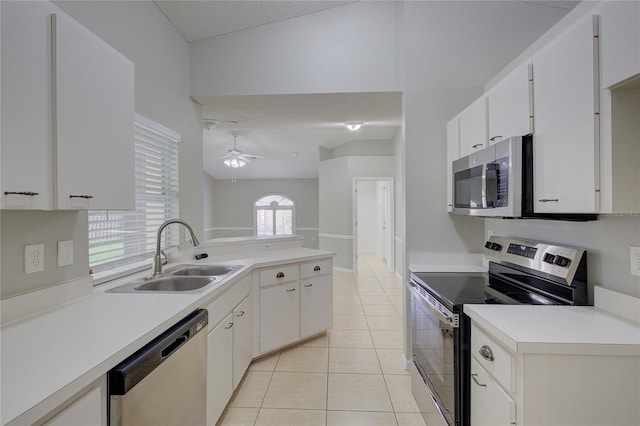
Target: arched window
[(274, 215)]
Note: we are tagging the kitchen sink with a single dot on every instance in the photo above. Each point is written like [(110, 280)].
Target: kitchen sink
[(181, 278), (204, 270), (174, 284)]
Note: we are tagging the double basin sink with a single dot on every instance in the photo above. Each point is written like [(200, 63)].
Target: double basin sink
[(181, 278)]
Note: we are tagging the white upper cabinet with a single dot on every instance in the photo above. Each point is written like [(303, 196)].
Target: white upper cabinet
[(67, 114), (473, 127), (94, 110), (511, 105), (620, 41), (566, 178), (26, 106)]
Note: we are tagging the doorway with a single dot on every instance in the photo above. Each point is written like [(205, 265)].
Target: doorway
[(373, 220)]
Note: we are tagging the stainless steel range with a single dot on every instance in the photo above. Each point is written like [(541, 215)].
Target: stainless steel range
[(520, 272)]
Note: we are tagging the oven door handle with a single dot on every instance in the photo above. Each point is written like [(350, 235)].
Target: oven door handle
[(446, 317)]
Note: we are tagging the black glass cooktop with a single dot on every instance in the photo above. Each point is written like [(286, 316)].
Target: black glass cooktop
[(455, 289)]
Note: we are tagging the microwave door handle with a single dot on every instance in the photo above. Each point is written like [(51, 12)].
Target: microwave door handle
[(491, 184), (484, 186)]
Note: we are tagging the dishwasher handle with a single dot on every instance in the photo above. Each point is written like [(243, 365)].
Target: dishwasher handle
[(175, 345), (124, 376)]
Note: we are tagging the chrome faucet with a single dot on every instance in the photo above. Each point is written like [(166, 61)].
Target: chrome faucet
[(157, 259)]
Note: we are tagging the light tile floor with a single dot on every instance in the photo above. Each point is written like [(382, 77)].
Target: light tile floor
[(353, 375)]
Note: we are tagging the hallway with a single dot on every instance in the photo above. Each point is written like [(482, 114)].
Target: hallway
[(353, 375)]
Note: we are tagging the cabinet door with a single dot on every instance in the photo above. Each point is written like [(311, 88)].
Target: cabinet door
[(26, 105), (316, 305), (279, 315), (242, 339), (490, 404), (619, 41), (510, 108), (565, 143), (89, 409), (93, 111), (473, 127), (219, 369), (453, 149)]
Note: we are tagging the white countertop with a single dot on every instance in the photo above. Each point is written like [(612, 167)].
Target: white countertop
[(558, 329), (50, 357)]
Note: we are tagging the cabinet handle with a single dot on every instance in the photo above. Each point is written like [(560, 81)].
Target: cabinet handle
[(291, 289), (26, 193), (81, 196), (476, 145), (474, 376), (495, 138), (547, 200), (229, 326), (280, 275), (308, 285), (316, 269), (486, 353), (239, 314)]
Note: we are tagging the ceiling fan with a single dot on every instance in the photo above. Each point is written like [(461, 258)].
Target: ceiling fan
[(235, 158), (210, 123)]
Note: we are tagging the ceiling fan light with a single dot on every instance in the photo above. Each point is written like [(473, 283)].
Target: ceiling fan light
[(235, 162), (354, 126)]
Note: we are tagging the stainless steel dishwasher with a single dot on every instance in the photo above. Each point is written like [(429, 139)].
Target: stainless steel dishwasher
[(165, 382)]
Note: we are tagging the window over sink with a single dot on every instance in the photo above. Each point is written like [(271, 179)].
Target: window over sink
[(121, 238)]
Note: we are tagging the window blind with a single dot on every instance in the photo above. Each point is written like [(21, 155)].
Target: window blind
[(118, 238)]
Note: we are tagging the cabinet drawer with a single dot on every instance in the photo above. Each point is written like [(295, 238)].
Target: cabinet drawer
[(219, 308), (494, 358), (279, 274), (490, 404), (317, 267)]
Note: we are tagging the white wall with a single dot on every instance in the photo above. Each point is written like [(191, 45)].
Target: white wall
[(232, 212), (354, 48), (142, 33)]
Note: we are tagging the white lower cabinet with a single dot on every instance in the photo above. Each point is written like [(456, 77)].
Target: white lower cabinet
[(87, 409), (242, 339), (491, 405), (229, 345), (574, 388), (316, 305), (279, 315), (219, 368), (294, 302)]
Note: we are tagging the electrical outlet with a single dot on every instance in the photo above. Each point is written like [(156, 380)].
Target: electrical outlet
[(634, 254), (33, 258), (65, 253)]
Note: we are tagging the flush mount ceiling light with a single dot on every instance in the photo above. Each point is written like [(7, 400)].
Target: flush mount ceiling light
[(235, 158), (354, 126)]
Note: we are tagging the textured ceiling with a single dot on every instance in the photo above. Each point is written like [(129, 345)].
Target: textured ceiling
[(196, 20)]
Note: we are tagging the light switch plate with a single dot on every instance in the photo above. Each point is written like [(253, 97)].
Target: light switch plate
[(65, 253), (33, 258)]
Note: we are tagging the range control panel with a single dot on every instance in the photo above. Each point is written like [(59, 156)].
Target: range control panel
[(551, 259)]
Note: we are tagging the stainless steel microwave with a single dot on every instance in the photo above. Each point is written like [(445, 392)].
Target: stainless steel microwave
[(497, 181), (489, 181)]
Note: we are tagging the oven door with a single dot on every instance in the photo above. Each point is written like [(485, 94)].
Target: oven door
[(433, 331)]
